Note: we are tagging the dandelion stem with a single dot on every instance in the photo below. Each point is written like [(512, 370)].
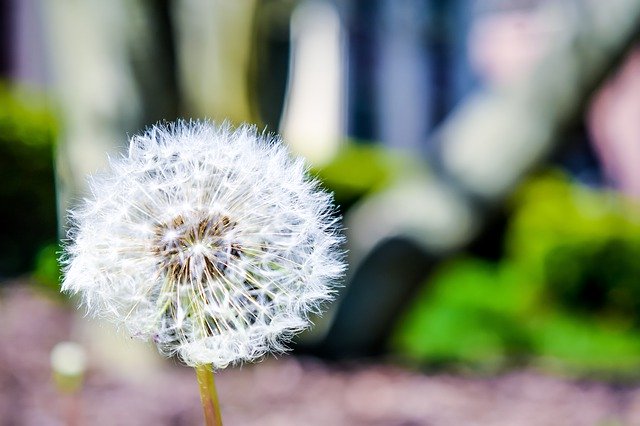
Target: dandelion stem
[(208, 395)]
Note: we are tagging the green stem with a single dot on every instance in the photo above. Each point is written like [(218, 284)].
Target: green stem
[(208, 395)]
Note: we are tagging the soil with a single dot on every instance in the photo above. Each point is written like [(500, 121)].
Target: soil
[(286, 391)]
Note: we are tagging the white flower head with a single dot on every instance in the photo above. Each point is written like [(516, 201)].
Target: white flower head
[(212, 242)]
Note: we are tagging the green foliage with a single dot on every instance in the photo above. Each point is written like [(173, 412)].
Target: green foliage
[(360, 169), (566, 295), (47, 269), (600, 277), (468, 313), (585, 345), (27, 192), (583, 244)]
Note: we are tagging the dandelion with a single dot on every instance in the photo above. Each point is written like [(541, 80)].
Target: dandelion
[(211, 242)]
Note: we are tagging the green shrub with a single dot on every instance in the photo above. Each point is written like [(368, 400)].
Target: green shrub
[(467, 314), (27, 191), (583, 244), (566, 295)]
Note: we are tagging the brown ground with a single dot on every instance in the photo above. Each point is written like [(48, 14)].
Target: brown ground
[(288, 391)]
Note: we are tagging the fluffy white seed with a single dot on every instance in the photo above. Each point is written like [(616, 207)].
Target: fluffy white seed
[(211, 242)]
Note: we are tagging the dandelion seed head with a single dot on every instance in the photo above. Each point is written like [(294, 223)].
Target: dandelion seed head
[(212, 242)]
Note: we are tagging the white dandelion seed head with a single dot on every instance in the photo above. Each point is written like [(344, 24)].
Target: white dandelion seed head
[(211, 242)]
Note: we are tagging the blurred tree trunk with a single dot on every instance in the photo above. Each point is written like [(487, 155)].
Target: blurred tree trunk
[(5, 37), (497, 136), (112, 74), (214, 43)]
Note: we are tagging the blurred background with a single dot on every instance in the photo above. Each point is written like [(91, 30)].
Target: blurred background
[(485, 155)]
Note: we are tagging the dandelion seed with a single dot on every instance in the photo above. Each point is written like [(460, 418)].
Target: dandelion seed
[(211, 242)]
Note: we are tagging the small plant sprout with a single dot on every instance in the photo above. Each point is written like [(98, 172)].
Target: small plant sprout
[(210, 241), (68, 367)]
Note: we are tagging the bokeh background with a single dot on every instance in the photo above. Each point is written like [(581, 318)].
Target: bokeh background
[(485, 155)]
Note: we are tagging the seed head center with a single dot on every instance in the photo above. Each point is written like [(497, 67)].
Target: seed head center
[(196, 246)]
